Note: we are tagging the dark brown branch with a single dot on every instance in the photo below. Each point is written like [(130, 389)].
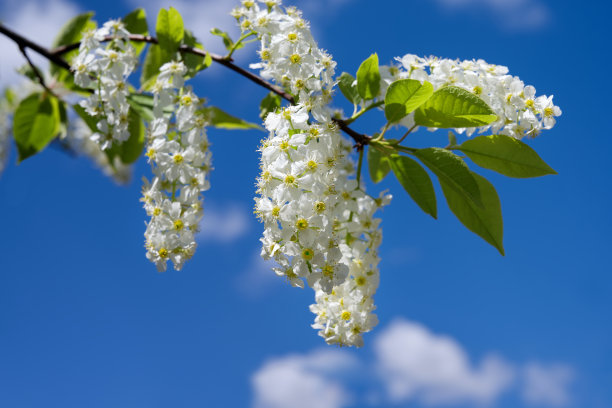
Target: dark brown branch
[(55, 57), (41, 79), (25, 43)]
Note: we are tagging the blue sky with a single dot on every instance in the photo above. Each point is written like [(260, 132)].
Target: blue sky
[(85, 319)]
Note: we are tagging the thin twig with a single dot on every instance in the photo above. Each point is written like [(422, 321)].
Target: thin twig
[(38, 74)]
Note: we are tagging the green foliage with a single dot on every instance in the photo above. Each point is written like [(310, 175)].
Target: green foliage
[(485, 221), (452, 170), (223, 120), (71, 33), (136, 23), (348, 87), (452, 107), (194, 63), (378, 164), (227, 41), (170, 32), (404, 96), (130, 150), (270, 103), (90, 121), (36, 123), (416, 182), (505, 155), (150, 68), (368, 78)]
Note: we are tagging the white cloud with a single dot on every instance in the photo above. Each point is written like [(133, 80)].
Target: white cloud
[(513, 14), (547, 384), (304, 381), (38, 20), (223, 224), (411, 365), (417, 364)]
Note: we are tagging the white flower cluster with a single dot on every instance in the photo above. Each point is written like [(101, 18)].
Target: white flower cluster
[(318, 224), (105, 69), (520, 113), (180, 158)]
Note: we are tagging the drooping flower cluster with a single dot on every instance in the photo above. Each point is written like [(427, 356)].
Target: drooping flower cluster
[(105, 68), (318, 223), (520, 113), (180, 159)]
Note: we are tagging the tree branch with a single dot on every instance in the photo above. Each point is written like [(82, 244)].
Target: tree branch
[(55, 56)]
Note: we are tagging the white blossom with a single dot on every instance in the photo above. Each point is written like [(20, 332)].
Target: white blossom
[(520, 113), (179, 155), (318, 222)]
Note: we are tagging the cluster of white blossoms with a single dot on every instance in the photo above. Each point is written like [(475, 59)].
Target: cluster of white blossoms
[(105, 68), (520, 113), (178, 151), (318, 222)]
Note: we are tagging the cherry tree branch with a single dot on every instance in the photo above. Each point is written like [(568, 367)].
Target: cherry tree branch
[(55, 56)]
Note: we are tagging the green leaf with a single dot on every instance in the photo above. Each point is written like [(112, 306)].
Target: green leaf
[(368, 78), (195, 63), (223, 120), (136, 23), (131, 149), (452, 107), (35, 124), (505, 155), (450, 168), (150, 69), (71, 33), (90, 121), (348, 87), (170, 32), (416, 182), (378, 164), (485, 221), (270, 103), (227, 41), (404, 96)]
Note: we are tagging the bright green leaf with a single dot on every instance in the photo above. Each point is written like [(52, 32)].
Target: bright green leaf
[(452, 107), (90, 121), (131, 149), (195, 63), (378, 164), (450, 168), (416, 182), (505, 155), (227, 41), (404, 96), (270, 103), (485, 221), (170, 32), (150, 68), (368, 78), (136, 23), (223, 120), (348, 87), (35, 123)]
